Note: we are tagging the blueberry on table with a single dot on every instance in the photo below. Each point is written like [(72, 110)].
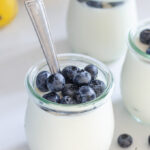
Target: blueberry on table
[(94, 4), (93, 70), (98, 86), (82, 77), (145, 36), (69, 90), (125, 140), (148, 51), (41, 81), (84, 94), (56, 82), (52, 96), (69, 72), (67, 100)]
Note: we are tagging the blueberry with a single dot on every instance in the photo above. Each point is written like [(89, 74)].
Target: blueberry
[(98, 86), (69, 90), (69, 72), (56, 82), (125, 140), (95, 4), (93, 70), (41, 81), (82, 78), (114, 4), (67, 100), (145, 36), (148, 51), (52, 96), (84, 94), (149, 140)]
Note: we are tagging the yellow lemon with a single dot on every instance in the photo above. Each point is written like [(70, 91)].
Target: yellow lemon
[(8, 10)]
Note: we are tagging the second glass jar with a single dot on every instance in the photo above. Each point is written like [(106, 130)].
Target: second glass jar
[(135, 81), (99, 28)]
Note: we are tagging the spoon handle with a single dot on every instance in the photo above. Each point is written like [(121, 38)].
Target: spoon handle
[(37, 13)]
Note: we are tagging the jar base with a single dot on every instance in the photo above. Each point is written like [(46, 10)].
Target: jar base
[(137, 119)]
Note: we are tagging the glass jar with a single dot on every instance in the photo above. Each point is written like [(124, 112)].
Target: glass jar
[(135, 82), (55, 126), (100, 30)]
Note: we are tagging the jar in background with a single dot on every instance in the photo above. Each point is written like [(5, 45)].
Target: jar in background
[(99, 28), (135, 82)]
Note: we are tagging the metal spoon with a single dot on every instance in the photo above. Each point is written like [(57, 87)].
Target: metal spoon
[(37, 13)]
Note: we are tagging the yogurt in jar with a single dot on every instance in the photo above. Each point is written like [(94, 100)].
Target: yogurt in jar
[(100, 31), (135, 76), (75, 127)]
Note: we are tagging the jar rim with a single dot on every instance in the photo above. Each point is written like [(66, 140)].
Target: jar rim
[(72, 106), (132, 44)]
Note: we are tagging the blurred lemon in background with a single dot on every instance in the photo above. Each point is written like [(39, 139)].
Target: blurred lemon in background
[(8, 10)]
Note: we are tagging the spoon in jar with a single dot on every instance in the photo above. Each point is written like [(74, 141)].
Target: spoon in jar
[(37, 13)]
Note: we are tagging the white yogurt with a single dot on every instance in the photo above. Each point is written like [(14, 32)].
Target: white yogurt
[(136, 80), (88, 130), (100, 32), (92, 130)]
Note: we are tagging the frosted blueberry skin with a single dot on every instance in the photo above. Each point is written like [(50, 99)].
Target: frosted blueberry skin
[(70, 90), (98, 86), (56, 82), (102, 4), (93, 70), (69, 72), (95, 4), (125, 140), (115, 4), (41, 81), (145, 36), (148, 51), (82, 78), (52, 96), (67, 100), (84, 94)]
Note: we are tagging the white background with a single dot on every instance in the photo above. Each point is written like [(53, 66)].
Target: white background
[(19, 49)]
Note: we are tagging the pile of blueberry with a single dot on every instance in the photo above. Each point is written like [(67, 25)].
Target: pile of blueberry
[(145, 39), (98, 4), (125, 140), (71, 86)]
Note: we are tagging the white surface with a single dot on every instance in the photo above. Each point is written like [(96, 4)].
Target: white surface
[(19, 49)]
